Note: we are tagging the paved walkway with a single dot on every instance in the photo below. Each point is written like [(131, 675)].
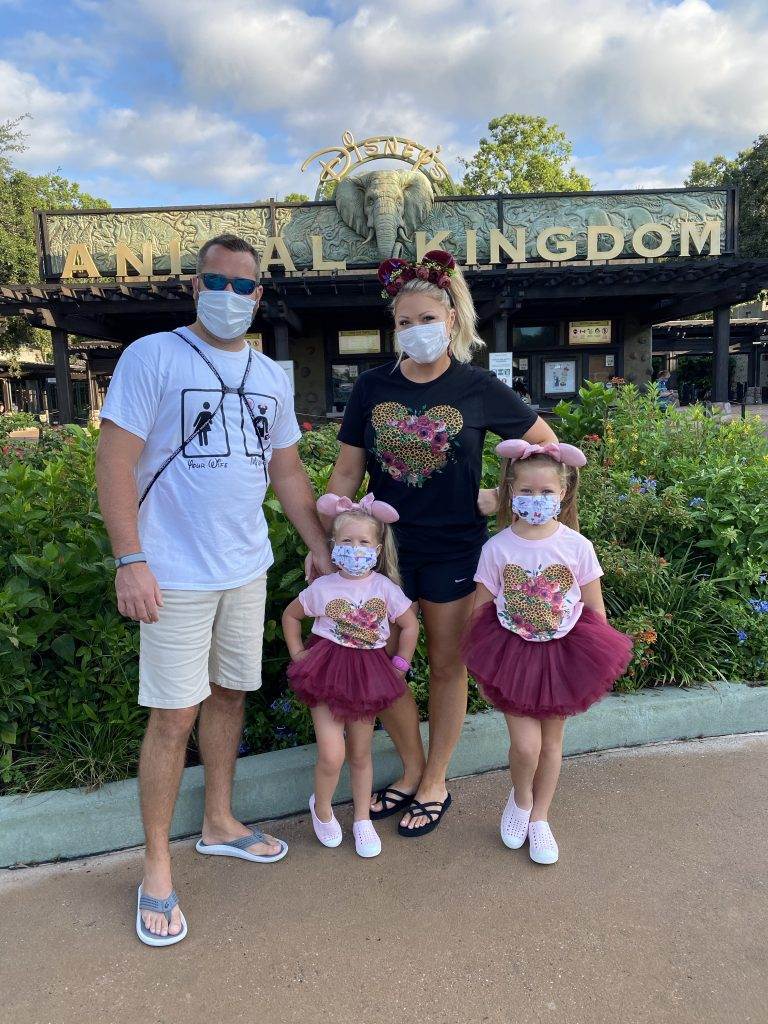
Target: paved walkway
[(656, 913)]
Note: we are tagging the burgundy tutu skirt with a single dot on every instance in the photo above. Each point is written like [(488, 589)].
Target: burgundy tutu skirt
[(354, 683), (550, 678)]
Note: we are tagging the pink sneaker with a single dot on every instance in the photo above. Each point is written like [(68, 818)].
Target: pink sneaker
[(328, 832), (367, 842), (514, 824), (541, 843)]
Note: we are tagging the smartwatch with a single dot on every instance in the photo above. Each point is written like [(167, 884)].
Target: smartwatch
[(137, 556), (400, 663)]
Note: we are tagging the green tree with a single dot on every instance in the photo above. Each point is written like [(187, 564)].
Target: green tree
[(523, 154), (749, 171), (20, 195), (296, 197)]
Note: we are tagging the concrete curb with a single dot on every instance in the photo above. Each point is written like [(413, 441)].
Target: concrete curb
[(71, 823)]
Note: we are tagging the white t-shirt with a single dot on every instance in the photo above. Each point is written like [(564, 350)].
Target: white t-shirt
[(202, 526)]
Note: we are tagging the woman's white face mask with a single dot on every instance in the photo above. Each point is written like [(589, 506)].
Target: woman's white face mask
[(424, 343)]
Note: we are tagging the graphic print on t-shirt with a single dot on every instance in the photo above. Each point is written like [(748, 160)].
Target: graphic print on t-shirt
[(356, 625), (413, 445), (535, 602), (257, 420), (207, 426)]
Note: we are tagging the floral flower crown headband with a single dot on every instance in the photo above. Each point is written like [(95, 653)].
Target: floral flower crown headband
[(436, 266), (567, 454), (333, 505)]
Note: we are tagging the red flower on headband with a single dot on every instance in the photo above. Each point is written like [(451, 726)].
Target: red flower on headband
[(437, 266)]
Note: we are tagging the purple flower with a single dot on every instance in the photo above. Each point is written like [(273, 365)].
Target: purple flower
[(741, 635), (696, 502)]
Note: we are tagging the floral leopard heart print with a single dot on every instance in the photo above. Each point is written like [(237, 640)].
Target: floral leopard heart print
[(535, 600), (410, 445), (357, 625)]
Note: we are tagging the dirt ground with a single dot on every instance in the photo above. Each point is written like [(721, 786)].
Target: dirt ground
[(657, 912)]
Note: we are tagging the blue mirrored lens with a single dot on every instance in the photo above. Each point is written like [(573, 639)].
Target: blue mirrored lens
[(216, 282), (243, 285)]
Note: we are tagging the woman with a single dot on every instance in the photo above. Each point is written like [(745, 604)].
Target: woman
[(417, 427)]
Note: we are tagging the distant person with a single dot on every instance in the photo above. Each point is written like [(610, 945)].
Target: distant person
[(192, 554)]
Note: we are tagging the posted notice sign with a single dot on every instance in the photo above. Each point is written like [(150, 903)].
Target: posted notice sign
[(589, 332), (500, 363)]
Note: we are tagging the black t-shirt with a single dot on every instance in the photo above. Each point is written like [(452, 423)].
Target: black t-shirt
[(424, 447)]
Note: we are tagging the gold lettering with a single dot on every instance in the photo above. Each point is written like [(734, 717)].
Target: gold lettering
[(425, 245), (371, 147), (124, 255), (175, 251), (390, 146), (318, 262), (276, 244), (653, 227), (79, 262), (594, 252), (515, 250), (407, 151), (566, 249), (471, 247), (700, 234)]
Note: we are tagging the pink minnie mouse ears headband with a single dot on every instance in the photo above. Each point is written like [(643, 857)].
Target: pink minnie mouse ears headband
[(333, 505), (568, 454), (436, 266)]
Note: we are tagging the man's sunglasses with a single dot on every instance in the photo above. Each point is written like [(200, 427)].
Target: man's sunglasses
[(218, 282)]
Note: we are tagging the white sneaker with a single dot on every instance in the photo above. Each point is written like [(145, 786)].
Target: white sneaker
[(367, 842), (514, 824), (328, 832), (541, 843)]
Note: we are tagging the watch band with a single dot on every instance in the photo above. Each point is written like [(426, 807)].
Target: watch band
[(136, 556), (400, 663)]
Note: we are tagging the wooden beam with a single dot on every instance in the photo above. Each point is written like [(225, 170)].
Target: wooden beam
[(722, 338), (63, 376), (699, 303)]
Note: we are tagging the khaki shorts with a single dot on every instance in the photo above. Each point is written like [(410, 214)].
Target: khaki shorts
[(203, 636)]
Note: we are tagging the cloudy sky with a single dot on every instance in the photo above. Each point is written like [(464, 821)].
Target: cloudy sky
[(193, 101)]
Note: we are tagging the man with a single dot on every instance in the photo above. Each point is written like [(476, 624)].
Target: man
[(182, 471)]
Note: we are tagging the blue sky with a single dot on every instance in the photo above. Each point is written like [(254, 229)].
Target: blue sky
[(194, 101)]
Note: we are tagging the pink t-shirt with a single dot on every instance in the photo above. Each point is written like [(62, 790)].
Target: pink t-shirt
[(354, 613), (537, 583)]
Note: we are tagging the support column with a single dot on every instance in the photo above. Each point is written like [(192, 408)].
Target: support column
[(63, 376), (7, 397), (501, 333), (722, 339), (282, 349), (638, 346)]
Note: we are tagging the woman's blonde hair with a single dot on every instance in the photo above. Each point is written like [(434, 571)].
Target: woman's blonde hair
[(465, 339), (387, 564), (569, 479)]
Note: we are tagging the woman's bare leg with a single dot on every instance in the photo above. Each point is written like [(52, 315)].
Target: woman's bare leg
[(444, 625)]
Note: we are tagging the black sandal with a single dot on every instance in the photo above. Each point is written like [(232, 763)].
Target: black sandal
[(417, 809), (389, 805)]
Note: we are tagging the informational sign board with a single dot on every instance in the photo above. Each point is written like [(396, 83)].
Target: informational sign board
[(500, 364), (589, 332), (353, 343), (560, 377)]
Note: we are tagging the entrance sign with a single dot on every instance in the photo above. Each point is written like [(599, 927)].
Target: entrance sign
[(350, 155), (589, 332), (500, 364)]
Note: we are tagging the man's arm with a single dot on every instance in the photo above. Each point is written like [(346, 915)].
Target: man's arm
[(294, 492), (138, 595)]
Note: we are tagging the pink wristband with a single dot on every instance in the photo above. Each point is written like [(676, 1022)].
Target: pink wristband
[(400, 663)]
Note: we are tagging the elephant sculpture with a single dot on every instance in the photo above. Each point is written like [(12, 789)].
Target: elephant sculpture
[(386, 205)]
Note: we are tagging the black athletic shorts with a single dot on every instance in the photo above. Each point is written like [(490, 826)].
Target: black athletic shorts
[(439, 581)]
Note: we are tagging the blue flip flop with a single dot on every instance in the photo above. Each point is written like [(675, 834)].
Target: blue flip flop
[(239, 848), (163, 907)]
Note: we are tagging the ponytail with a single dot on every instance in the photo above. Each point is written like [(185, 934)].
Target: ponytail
[(389, 564)]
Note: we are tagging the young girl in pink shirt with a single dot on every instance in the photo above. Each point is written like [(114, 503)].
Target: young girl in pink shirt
[(539, 644), (344, 673)]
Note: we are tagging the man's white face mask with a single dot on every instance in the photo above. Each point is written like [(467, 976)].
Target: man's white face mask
[(225, 314)]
